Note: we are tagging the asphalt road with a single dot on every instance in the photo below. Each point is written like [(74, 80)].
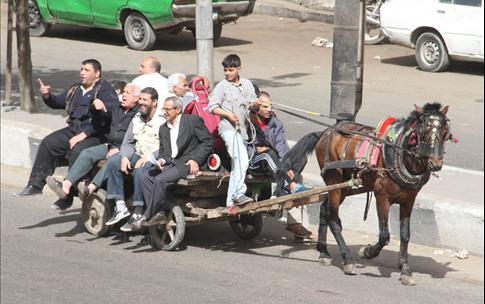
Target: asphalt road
[(278, 56), (47, 257)]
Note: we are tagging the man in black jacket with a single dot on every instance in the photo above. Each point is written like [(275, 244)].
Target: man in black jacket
[(120, 120), (185, 144), (88, 106)]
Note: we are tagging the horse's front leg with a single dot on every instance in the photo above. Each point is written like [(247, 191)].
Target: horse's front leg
[(335, 199), (405, 229), (325, 259), (372, 251)]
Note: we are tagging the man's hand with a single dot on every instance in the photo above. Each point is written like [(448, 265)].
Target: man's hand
[(45, 90), (112, 152), (193, 167), (125, 165), (141, 162), (233, 118), (98, 104), (261, 149), (161, 162), (76, 139), (290, 174)]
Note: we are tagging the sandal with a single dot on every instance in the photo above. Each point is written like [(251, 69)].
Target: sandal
[(300, 231)]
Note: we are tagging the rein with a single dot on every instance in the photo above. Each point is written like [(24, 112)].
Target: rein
[(349, 132)]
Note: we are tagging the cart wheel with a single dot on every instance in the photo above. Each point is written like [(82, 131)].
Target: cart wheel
[(95, 213), (169, 236), (248, 226)]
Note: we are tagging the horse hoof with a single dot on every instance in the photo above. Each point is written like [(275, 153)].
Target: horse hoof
[(349, 269), (362, 253), (407, 280), (325, 261)]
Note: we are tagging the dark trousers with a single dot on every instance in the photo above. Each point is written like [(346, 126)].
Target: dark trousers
[(53, 150), (154, 185), (268, 163)]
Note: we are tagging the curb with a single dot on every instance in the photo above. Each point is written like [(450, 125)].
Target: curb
[(436, 221), (292, 10)]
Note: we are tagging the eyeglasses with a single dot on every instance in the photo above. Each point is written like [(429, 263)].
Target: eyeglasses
[(168, 109)]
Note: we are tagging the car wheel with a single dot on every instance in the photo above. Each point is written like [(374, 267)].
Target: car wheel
[(373, 33), (37, 26), (139, 33), (431, 53)]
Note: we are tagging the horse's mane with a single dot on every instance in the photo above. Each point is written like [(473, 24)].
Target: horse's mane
[(429, 108)]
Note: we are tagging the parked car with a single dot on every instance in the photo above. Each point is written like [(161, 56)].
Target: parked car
[(439, 30), (139, 20)]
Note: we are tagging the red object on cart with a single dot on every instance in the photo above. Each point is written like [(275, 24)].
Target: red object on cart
[(198, 107)]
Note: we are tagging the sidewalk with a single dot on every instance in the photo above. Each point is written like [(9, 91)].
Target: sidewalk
[(448, 212), (286, 9)]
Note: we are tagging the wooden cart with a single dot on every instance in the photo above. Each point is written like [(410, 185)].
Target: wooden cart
[(201, 200)]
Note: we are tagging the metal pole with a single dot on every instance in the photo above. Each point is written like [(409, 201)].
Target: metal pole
[(347, 62), (204, 36)]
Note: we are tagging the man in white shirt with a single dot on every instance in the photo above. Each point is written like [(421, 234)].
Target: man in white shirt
[(150, 76)]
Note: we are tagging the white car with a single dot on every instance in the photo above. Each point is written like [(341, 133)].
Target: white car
[(439, 30)]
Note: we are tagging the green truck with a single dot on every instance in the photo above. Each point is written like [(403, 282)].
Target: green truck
[(140, 20)]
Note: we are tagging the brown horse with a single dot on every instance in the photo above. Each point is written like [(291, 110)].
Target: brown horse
[(402, 160)]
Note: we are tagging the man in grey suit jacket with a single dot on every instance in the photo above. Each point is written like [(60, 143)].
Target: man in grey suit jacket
[(185, 144)]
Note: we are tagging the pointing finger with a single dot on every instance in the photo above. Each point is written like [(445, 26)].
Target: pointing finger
[(41, 82)]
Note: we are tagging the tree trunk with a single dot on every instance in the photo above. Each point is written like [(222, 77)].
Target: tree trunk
[(24, 61), (8, 70)]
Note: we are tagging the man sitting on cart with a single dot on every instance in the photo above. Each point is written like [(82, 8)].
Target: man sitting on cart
[(185, 144), (266, 152)]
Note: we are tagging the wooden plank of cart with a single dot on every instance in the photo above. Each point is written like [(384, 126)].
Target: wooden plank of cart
[(201, 200)]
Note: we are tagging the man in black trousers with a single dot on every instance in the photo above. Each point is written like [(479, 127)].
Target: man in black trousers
[(88, 105), (185, 144)]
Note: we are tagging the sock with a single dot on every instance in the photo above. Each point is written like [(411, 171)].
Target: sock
[(120, 206), (139, 210)]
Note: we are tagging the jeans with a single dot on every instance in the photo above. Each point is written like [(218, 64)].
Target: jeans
[(116, 189), (85, 162), (239, 164)]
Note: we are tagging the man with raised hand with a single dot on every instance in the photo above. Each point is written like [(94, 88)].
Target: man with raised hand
[(88, 105)]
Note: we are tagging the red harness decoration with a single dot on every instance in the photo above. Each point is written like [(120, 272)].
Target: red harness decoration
[(369, 151)]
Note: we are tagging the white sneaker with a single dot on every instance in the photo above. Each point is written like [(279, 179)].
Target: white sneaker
[(118, 216)]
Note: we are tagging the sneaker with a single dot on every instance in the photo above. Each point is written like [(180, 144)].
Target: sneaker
[(61, 204), (56, 186), (82, 191), (139, 224), (128, 226), (118, 216), (242, 199)]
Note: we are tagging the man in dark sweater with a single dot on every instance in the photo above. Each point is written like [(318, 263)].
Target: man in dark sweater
[(120, 120), (88, 105)]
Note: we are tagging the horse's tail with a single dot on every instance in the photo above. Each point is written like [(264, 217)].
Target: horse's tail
[(296, 158)]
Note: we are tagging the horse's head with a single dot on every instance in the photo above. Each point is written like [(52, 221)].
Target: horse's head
[(432, 130)]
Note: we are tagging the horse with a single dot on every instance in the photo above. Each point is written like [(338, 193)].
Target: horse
[(400, 157)]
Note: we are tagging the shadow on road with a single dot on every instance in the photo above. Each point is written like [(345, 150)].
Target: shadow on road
[(184, 41), (461, 67)]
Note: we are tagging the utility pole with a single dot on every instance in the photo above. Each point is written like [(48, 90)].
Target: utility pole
[(348, 56), (8, 68), (205, 39)]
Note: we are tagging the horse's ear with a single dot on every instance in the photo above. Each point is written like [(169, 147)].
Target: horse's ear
[(444, 110), (418, 110)]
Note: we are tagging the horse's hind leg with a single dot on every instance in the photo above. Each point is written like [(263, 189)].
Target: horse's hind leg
[(335, 199), (371, 251), (325, 259)]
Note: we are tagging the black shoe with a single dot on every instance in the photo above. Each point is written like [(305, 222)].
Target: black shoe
[(56, 186), (29, 190), (61, 204)]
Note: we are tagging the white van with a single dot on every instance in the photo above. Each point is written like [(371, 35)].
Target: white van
[(437, 29)]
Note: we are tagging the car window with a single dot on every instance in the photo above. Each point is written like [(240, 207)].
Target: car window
[(477, 3)]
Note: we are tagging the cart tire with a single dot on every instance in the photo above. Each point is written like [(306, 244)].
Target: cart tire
[(247, 226), (169, 236), (95, 212)]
